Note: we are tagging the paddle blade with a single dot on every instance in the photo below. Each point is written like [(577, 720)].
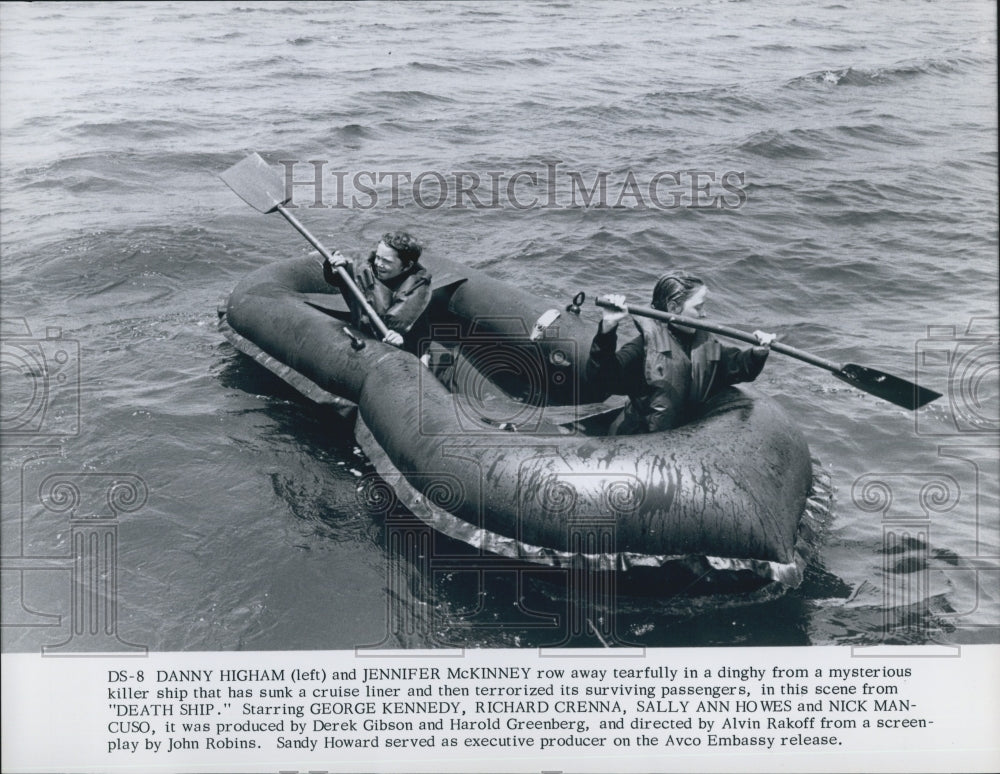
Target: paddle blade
[(256, 183), (886, 386)]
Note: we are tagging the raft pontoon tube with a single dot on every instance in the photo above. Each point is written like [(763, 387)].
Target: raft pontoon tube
[(530, 477)]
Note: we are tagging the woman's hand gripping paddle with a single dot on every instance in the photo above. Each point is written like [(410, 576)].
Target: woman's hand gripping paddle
[(264, 189)]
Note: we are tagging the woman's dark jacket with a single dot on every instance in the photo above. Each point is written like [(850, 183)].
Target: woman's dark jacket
[(666, 374), (401, 302)]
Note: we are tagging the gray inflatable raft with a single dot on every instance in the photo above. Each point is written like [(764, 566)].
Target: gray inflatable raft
[(525, 472)]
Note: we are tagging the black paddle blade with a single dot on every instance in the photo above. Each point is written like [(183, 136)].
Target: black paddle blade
[(886, 386), (256, 183)]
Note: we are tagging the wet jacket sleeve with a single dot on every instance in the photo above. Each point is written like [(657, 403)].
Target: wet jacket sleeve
[(333, 278), (358, 317), (739, 365), (612, 372)]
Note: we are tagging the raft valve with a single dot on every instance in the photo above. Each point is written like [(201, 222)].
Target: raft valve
[(356, 342)]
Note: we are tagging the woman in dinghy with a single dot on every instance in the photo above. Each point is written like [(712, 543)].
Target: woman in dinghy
[(394, 283), (669, 369)]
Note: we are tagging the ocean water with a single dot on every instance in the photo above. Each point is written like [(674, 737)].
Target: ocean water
[(850, 153)]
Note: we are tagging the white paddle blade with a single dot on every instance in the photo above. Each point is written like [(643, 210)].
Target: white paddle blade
[(256, 183)]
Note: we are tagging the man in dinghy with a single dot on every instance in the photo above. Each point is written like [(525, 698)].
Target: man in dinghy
[(394, 283), (669, 369)]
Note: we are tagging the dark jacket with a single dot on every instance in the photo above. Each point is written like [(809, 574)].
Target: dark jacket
[(401, 303), (666, 374)]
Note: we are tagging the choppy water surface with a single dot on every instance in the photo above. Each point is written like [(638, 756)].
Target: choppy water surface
[(860, 225)]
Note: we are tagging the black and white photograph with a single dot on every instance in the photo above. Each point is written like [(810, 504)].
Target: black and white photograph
[(500, 386)]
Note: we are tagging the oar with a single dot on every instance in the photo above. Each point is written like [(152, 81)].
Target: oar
[(263, 189), (886, 386)]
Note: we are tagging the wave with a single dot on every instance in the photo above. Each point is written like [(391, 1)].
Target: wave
[(275, 60), (348, 135), (285, 10), (128, 129), (547, 57), (432, 67), (298, 72), (506, 63), (44, 122), (233, 35), (778, 47), (409, 98), (352, 131), (128, 167), (873, 133), (881, 76), (796, 144), (821, 143), (173, 255), (85, 174), (713, 101), (83, 184), (486, 12)]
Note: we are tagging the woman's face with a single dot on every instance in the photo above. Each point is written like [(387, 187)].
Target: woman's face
[(388, 265), (694, 306)]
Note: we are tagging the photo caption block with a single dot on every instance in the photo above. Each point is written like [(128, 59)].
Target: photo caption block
[(819, 709)]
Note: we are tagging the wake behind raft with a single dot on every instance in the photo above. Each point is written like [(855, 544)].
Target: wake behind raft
[(512, 459)]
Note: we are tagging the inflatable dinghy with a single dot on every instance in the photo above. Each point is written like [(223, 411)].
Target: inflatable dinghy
[(510, 454)]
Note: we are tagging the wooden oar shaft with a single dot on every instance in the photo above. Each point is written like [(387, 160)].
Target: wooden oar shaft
[(891, 388), (344, 276), (724, 330), (264, 190)]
